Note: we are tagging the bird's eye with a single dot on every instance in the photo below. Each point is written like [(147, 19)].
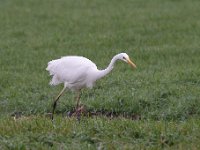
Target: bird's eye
[(124, 58)]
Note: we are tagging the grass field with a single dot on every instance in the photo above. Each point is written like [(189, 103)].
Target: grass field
[(161, 37)]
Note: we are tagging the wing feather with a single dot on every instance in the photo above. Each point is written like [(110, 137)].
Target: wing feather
[(70, 69)]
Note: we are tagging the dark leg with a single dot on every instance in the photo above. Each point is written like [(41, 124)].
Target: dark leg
[(78, 108), (55, 102), (78, 99)]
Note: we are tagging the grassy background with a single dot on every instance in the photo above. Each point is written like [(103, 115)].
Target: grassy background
[(162, 37)]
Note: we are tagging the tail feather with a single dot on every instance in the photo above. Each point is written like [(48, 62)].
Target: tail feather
[(51, 67)]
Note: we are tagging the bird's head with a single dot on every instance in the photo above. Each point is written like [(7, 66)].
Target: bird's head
[(124, 57)]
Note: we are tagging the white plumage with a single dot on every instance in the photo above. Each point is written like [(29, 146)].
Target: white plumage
[(74, 71), (77, 72)]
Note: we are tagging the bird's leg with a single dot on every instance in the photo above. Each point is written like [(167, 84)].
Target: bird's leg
[(78, 99), (55, 101), (78, 110)]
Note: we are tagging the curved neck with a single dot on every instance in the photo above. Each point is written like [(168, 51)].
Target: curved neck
[(102, 73)]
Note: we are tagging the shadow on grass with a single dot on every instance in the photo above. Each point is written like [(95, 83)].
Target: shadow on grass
[(83, 111)]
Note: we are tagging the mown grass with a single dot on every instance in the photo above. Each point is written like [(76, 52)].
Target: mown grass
[(98, 133), (162, 37)]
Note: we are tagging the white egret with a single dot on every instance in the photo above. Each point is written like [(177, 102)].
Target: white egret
[(77, 72)]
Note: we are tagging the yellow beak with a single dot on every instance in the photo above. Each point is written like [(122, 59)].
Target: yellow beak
[(131, 63)]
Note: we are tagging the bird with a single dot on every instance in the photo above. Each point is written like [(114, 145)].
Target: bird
[(78, 72)]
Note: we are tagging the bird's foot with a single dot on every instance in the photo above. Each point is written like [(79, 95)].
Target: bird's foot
[(79, 111)]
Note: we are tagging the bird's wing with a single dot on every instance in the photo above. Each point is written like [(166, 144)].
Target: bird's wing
[(71, 69)]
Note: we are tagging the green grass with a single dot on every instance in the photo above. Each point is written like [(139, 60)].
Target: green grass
[(98, 133), (161, 37)]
